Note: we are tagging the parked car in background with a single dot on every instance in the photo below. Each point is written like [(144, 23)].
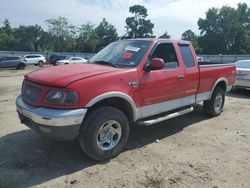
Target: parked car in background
[(34, 59), (12, 62), (242, 74), (71, 60), (199, 58), (54, 58), (202, 59)]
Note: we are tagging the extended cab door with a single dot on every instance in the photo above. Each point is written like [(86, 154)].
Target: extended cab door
[(162, 90), (191, 72)]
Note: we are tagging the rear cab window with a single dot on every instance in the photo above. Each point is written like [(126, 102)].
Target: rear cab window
[(187, 55)]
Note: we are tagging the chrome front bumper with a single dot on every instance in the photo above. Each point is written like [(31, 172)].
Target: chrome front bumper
[(55, 123)]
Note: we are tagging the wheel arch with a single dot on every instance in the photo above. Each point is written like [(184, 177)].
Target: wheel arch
[(222, 83), (118, 100)]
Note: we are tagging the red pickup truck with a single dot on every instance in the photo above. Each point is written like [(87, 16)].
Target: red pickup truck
[(129, 82)]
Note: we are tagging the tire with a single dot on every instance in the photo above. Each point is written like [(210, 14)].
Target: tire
[(40, 63), (97, 124), (214, 106), (23, 67), (20, 66)]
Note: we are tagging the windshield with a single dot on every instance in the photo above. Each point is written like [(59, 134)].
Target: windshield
[(243, 64), (122, 53)]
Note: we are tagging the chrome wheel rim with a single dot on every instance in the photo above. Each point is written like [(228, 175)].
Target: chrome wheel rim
[(109, 135), (218, 102)]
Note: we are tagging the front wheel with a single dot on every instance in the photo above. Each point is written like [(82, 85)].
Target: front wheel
[(20, 66), (214, 106), (104, 133)]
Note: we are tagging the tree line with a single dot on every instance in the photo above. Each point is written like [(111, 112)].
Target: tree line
[(222, 31)]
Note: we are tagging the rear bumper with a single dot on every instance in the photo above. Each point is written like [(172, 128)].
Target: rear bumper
[(242, 83), (58, 124)]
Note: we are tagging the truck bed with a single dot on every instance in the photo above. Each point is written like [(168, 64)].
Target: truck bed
[(211, 71)]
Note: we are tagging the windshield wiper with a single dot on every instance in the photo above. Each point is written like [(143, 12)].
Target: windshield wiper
[(106, 63)]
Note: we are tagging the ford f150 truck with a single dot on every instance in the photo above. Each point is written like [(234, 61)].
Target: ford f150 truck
[(129, 82)]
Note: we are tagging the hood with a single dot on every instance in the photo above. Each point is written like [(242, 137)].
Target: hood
[(63, 75)]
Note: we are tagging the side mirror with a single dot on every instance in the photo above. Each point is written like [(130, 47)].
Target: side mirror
[(155, 64)]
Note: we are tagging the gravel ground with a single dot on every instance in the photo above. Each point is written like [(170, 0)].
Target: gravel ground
[(188, 151)]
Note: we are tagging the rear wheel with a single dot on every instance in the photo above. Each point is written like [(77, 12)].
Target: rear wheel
[(214, 106), (40, 63), (104, 133)]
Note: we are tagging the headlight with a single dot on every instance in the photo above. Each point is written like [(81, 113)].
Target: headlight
[(59, 97)]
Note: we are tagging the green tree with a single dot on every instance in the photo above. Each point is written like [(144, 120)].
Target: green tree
[(7, 40), (165, 35), (62, 33), (87, 38), (28, 37), (225, 30), (106, 33), (192, 37), (138, 26)]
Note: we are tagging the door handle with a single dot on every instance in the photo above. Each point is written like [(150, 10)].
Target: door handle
[(180, 77)]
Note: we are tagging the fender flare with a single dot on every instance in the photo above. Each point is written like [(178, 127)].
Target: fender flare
[(136, 114), (223, 79)]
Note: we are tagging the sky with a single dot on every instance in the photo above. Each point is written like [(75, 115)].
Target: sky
[(173, 16)]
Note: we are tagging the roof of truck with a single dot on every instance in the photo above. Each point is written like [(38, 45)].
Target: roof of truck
[(159, 39)]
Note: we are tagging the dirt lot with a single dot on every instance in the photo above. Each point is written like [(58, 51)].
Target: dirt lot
[(193, 151)]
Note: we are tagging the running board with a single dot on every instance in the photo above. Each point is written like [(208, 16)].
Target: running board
[(168, 116)]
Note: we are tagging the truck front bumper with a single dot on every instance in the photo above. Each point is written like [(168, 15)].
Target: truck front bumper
[(54, 123)]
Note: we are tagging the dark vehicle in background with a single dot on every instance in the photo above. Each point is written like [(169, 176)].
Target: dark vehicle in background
[(54, 58), (12, 62)]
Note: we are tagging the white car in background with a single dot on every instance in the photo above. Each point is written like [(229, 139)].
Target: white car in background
[(71, 60), (199, 58), (34, 59), (242, 74)]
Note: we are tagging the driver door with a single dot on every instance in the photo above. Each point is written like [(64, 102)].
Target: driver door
[(162, 90)]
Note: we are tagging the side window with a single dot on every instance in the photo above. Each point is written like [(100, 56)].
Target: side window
[(166, 52), (10, 58), (187, 56), (29, 56), (13, 58)]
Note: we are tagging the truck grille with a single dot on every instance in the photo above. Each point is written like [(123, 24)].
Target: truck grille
[(31, 93)]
